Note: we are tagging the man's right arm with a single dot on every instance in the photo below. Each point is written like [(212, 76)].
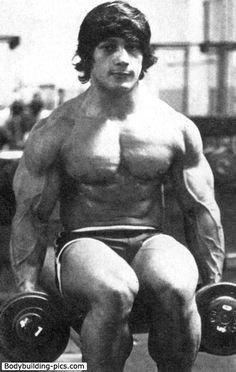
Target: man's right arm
[(36, 189)]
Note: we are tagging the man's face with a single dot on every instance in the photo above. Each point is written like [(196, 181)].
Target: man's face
[(117, 64)]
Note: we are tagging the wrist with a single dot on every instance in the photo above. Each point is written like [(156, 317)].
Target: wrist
[(207, 278), (27, 286), (208, 281)]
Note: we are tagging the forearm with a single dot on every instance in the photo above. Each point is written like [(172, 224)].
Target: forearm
[(27, 251), (205, 239)]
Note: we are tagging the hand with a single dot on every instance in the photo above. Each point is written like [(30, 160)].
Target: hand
[(28, 286)]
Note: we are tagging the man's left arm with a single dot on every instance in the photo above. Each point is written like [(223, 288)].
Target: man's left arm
[(194, 186)]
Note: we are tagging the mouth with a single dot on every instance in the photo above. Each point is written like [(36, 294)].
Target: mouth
[(121, 74)]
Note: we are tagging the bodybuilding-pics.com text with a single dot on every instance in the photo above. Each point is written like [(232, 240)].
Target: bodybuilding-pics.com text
[(43, 366)]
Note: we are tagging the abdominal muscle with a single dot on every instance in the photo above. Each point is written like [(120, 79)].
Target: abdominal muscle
[(135, 203)]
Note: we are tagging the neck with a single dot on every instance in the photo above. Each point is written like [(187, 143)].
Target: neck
[(113, 104)]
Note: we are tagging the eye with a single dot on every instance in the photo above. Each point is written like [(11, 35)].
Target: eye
[(109, 47), (132, 47)]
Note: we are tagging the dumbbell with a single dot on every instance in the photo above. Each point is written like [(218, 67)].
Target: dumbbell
[(217, 308), (32, 328)]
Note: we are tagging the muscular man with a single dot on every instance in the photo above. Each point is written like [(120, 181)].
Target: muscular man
[(105, 155)]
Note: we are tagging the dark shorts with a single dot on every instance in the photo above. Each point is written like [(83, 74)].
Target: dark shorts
[(126, 242)]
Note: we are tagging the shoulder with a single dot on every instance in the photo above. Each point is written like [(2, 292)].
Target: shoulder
[(192, 150), (64, 115), (187, 135), (184, 125), (192, 139), (49, 134), (174, 118), (164, 113)]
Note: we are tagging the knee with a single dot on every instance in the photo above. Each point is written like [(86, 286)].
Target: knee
[(180, 292), (182, 296), (179, 296), (184, 290), (180, 281), (116, 298)]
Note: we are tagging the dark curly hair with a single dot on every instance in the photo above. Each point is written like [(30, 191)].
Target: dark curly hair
[(112, 19)]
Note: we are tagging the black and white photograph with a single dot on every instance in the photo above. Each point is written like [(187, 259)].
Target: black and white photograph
[(118, 185)]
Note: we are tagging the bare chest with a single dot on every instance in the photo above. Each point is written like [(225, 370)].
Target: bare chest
[(100, 150)]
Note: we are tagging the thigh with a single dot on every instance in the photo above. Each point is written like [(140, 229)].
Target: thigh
[(90, 269), (164, 264)]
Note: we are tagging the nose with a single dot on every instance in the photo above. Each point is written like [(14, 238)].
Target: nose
[(121, 57)]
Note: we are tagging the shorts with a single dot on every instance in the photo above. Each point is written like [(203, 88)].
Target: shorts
[(124, 240)]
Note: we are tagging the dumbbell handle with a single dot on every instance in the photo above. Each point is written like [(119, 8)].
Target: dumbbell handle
[(29, 326)]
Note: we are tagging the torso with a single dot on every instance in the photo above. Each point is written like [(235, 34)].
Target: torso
[(111, 170)]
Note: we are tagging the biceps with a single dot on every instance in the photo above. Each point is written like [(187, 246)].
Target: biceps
[(35, 193), (195, 185)]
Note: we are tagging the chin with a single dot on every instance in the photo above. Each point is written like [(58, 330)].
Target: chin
[(121, 89)]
